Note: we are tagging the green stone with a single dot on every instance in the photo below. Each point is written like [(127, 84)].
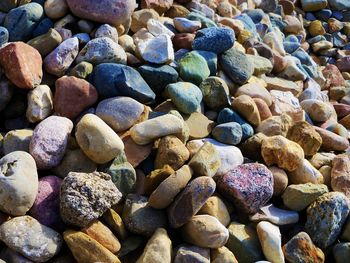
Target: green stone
[(82, 70), (298, 196), (193, 68), (216, 93), (47, 42), (244, 243)]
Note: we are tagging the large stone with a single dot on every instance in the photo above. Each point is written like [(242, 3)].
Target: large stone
[(114, 12), (215, 207), (193, 68), (283, 152), (186, 253), (332, 141), (275, 216), (49, 141), (19, 184), (158, 248), (97, 140), (33, 240), (84, 197), (248, 186), (325, 218), (246, 106), (22, 64), (215, 93), (190, 201)]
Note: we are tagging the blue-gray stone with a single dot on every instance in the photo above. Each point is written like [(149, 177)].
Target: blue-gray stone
[(303, 57), (248, 23), (229, 133), (310, 16), (339, 4), (211, 58), (229, 115), (316, 39), (337, 15), (4, 35), (338, 39), (268, 5), (206, 22), (83, 38), (113, 80), (323, 14), (277, 21), (43, 27), (214, 39), (158, 77), (21, 21), (255, 14), (236, 65), (185, 96), (247, 131)]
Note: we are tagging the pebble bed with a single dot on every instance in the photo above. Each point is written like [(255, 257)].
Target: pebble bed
[(188, 131)]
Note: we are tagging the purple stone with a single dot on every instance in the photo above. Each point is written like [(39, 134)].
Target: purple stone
[(248, 186)]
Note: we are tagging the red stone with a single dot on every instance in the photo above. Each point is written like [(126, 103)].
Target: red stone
[(22, 64), (183, 40), (73, 96), (341, 109), (333, 76)]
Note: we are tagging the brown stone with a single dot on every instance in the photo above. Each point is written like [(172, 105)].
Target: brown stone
[(135, 153), (332, 141), (246, 106), (156, 177), (333, 76), (73, 96), (263, 108), (22, 64), (183, 40), (340, 175), (160, 6)]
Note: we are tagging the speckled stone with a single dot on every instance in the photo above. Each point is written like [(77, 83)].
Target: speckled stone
[(248, 186), (325, 218)]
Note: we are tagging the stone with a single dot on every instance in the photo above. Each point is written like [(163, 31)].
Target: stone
[(81, 70), (270, 240), (184, 25), (300, 248), (315, 28), (215, 93), (106, 30), (213, 39), (206, 161), (311, 5), (6, 93), (244, 242), (45, 208), (84, 197), (261, 65), (40, 103), (158, 50), (246, 106), (158, 248), (205, 231), (332, 141), (141, 17), (183, 41), (317, 110), (306, 136), (22, 64), (187, 253), (193, 68), (33, 240), (123, 174), (322, 158), (325, 218), (115, 223), (74, 161), (113, 80), (157, 28), (236, 65), (282, 85), (280, 180), (149, 130), (255, 90), (276, 125), (102, 50), (102, 235), (339, 4), (305, 173), (248, 186), (222, 255), (230, 155), (166, 191), (341, 252), (73, 96), (97, 140), (275, 216), (161, 6), (114, 12), (299, 196), (340, 175), (199, 125), (185, 95), (251, 148), (177, 11), (16, 140), (171, 151), (141, 219), (156, 177), (21, 21), (333, 76), (215, 207), (49, 141), (19, 184), (196, 194), (86, 249), (135, 153), (61, 58), (283, 152), (55, 9), (229, 133)]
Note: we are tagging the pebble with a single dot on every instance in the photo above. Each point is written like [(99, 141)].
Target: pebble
[(149, 49), (193, 68), (305, 173), (325, 218), (84, 197), (215, 207), (19, 184), (215, 93), (229, 133), (340, 174), (17, 140), (97, 140), (40, 103), (22, 64), (49, 141), (184, 25), (248, 186), (187, 253)]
